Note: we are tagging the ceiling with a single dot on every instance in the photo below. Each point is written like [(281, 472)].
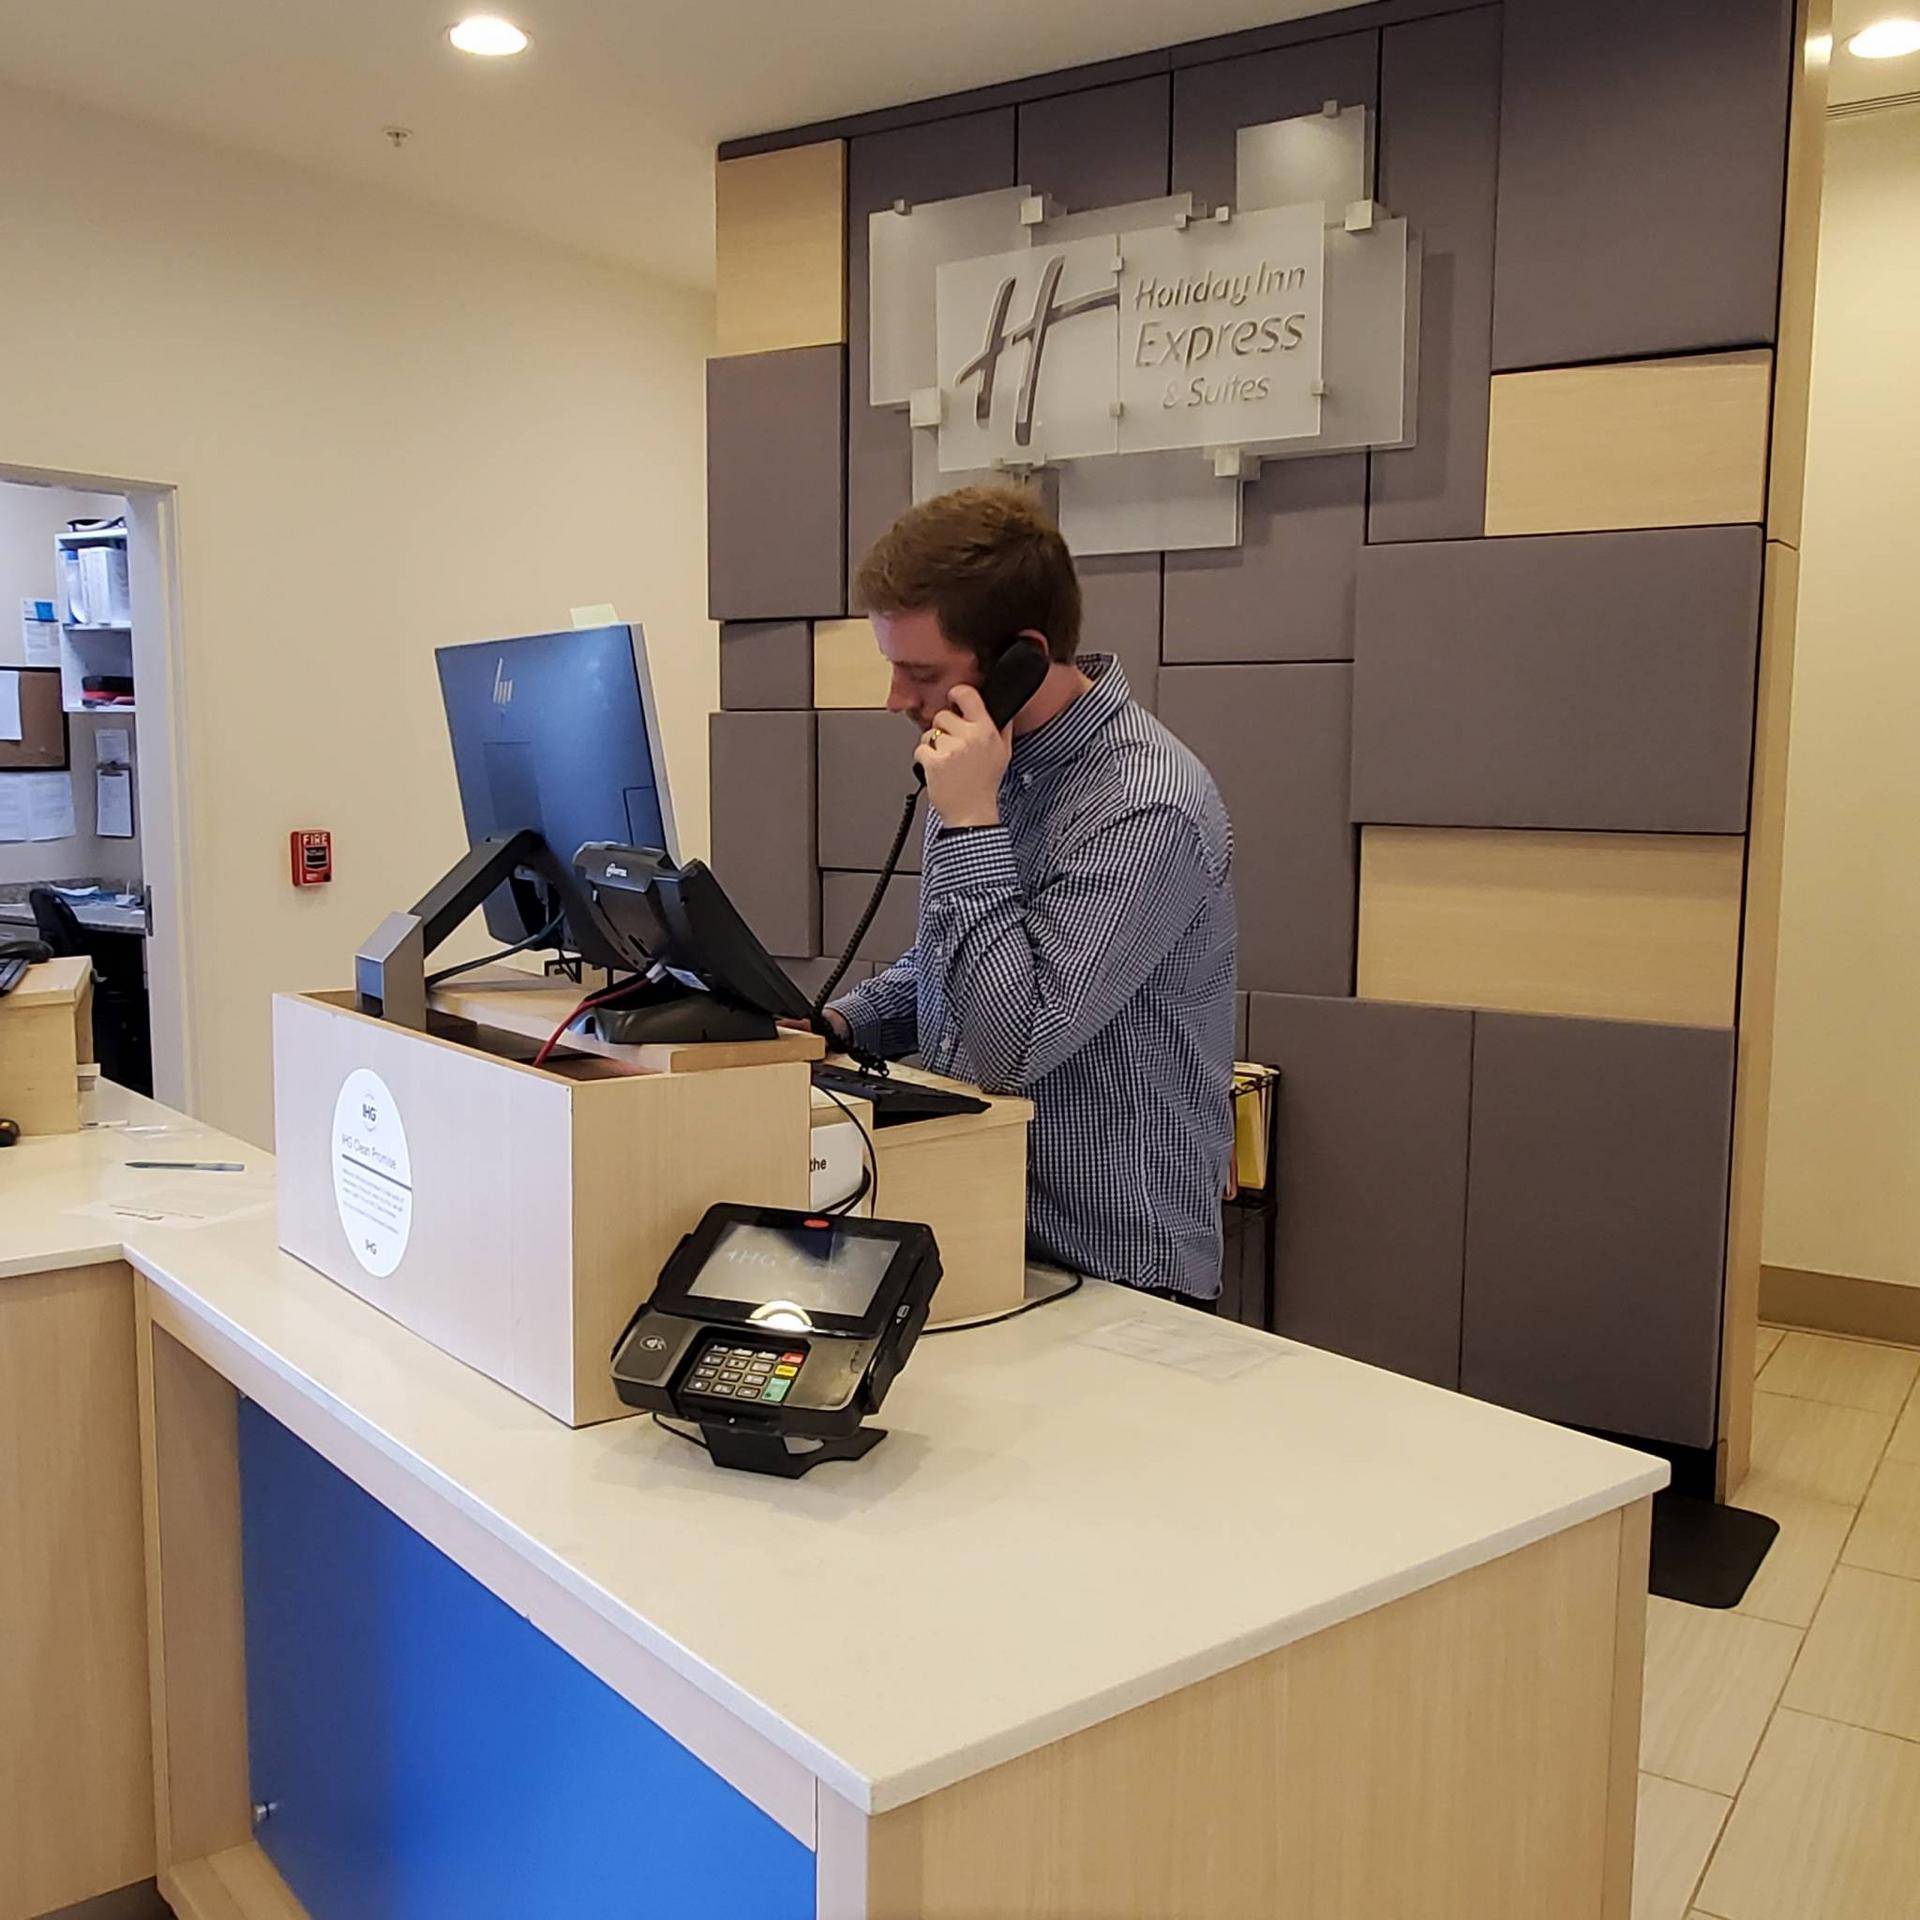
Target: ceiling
[(1853, 80), (602, 134)]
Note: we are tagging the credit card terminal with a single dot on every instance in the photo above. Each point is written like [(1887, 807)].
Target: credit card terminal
[(777, 1332)]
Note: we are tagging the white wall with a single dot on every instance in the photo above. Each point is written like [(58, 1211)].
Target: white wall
[(389, 430), (29, 519), (1843, 1170)]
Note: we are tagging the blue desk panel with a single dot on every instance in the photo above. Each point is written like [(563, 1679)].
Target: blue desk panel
[(430, 1755)]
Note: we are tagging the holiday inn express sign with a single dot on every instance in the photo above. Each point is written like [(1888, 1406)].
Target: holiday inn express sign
[(1195, 336), (1149, 356)]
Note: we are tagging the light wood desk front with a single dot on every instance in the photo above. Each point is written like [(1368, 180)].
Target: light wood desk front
[(1091, 1633)]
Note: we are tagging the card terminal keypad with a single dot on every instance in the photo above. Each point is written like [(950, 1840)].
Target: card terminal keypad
[(725, 1369)]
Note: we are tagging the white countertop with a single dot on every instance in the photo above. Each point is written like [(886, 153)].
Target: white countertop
[(1053, 1533)]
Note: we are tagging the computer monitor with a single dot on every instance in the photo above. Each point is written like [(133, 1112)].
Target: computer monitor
[(559, 733)]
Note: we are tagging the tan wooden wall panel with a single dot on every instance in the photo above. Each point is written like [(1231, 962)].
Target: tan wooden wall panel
[(1611, 926), (1638, 443), (848, 669), (780, 249)]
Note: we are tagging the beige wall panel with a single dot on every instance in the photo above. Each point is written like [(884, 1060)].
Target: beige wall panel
[(848, 669), (1800, 258), (1639, 443), (1482, 1711), (1610, 926), (76, 1776), (780, 246), (1759, 972), (1844, 1137)]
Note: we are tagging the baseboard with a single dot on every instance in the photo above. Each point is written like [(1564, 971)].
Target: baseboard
[(141, 1901), (1841, 1303), (239, 1884)]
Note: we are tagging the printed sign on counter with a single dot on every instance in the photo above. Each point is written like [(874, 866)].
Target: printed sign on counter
[(372, 1172)]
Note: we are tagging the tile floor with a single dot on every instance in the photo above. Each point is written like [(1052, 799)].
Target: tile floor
[(1780, 1745)]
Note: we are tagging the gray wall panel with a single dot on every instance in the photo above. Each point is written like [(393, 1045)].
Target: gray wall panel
[(1642, 164), (1590, 680), (810, 975), (763, 837), (843, 898), (1439, 157), (1100, 148), (1276, 740), (766, 663), (1596, 1211), (1373, 1176), (866, 772), (938, 161), (1212, 103), (776, 484), (1286, 592), (1120, 595)]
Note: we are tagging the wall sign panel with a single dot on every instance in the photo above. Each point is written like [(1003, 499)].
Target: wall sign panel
[(1275, 739), (1596, 1215), (763, 833), (1581, 680), (1642, 171), (1439, 160), (1373, 1176), (776, 484)]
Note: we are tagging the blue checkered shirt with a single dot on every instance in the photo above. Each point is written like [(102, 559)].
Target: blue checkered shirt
[(1081, 953)]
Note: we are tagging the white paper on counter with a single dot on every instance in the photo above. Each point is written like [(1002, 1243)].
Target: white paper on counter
[(10, 703), (49, 805), (1192, 1348), (113, 803)]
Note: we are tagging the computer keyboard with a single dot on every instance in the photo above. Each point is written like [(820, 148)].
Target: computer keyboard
[(894, 1102)]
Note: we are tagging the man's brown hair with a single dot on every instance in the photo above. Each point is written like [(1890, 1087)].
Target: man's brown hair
[(988, 562)]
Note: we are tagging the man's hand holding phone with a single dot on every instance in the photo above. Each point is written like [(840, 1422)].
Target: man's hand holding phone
[(964, 757)]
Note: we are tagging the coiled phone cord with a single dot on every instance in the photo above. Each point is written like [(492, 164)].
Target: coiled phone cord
[(873, 906)]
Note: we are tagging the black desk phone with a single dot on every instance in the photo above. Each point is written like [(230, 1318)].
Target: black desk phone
[(769, 1324)]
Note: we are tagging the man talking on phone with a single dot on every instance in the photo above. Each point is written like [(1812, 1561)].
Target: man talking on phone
[(1076, 933)]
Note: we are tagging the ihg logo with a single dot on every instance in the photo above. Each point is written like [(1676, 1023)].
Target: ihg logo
[(1048, 312), (369, 1113)]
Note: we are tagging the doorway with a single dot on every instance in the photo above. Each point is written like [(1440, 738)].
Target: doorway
[(92, 833)]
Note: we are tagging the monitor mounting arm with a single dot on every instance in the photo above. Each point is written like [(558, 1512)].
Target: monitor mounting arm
[(390, 970)]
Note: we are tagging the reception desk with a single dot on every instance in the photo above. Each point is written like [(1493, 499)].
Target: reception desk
[(1131, 1614)]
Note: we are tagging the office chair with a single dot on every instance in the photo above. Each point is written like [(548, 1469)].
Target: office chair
[(122, 1035), (58, 924)]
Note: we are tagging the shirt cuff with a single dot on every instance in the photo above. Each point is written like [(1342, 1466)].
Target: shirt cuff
[(981, 857)]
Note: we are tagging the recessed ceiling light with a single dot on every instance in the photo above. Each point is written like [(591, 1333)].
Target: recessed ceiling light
[(1886, 40), (488, 35)]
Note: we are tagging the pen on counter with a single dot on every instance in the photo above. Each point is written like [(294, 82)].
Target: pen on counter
[(193, 1166)]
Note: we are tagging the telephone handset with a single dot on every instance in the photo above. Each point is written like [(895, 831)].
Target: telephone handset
[(1008, 685), (1005, 688)]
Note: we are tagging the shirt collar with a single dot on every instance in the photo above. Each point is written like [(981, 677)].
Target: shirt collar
[(1075, 724)]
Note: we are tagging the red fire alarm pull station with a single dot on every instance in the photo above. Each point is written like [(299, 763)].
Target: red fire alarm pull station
[(312, 856)]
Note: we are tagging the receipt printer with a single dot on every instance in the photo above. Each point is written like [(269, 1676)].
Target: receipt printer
[(777, 1332)]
